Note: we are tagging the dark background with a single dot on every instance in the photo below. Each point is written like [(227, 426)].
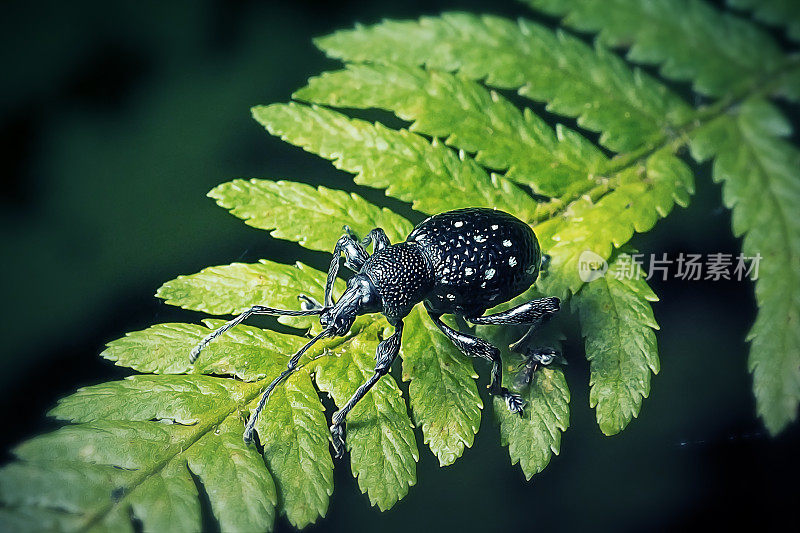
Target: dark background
[(116, 119)]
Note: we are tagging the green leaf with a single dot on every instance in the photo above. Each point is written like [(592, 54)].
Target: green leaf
[(108, 444), (233, 288), (777, 12), (244, 352), (535, 436), (443, 394), (759, 173), (312, 217), (175, 399), (617, 322), (294, 433), (640, 196), (575, 80), (402, 162), (691, 40), (470, 118), (379, 434), (241, 491)]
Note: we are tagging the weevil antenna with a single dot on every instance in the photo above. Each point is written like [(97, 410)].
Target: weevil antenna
[(290, 367), (255, 310)]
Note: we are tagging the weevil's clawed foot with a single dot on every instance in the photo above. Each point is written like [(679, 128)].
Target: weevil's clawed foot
[(337, 438), (195, 353), (514, 402), (544, 357), (535, 359), (248, 435), (348, 231)]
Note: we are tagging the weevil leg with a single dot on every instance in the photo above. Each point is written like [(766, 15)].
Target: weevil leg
[(379, 239), (290, 368), (255, 310), (354, 257), (536, 358), (476, 347), (533, 312), (385, 355)]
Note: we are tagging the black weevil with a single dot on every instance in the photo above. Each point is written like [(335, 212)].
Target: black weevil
[(462, 262)]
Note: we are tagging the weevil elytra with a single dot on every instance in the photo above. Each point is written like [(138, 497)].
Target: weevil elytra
[(462, 262)]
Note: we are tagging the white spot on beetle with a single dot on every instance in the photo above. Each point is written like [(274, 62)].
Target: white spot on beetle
[(495, 226), (512, 261), (458, 224), (507, 243), (480, 238), (451, 297), (468, 271), (489, 273)]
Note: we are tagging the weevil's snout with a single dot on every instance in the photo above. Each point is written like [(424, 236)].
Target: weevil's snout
[(325, 318), (359, 298), (339, 323)]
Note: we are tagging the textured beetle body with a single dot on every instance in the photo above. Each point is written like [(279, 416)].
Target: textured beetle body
[(461, 262), (480, 258), (402, 276)]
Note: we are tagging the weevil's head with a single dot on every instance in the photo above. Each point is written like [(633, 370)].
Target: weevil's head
[(359, 298)]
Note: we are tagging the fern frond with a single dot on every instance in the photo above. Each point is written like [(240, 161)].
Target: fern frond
[(625, 105), (244, 352), (759, 172), (533, 438), (785, 13), (231, 289), (186, 420), (380, 438), (442, 390), (205, 416), (312, 217), (640, 196), (470, 118), (399, 161), (232, 475), (617, 323), (153, 479), (670, 33), (294, 433)]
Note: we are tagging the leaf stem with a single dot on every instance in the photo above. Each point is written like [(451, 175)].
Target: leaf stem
[(214, 419), (671, 140)]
